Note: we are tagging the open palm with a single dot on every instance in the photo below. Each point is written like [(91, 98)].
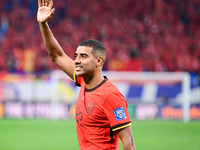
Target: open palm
[(45, 10)]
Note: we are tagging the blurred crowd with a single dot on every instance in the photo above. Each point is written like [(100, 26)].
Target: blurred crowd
[(140, 35)]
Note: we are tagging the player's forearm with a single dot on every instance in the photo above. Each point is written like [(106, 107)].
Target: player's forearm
[(129, 145), (52, 46), (126, 137)]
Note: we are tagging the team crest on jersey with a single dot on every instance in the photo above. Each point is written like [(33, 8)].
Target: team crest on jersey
[(90, 107), (119, 113)]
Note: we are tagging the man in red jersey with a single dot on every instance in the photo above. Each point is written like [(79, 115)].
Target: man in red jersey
[(101, 110)]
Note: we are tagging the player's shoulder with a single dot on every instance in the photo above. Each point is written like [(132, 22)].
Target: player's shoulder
[(112, 95), (110, 87)]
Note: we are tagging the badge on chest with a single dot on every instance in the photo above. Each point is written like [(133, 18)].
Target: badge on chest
[(90, 107)]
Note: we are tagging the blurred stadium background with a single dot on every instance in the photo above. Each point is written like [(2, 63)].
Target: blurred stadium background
[(153, 56)]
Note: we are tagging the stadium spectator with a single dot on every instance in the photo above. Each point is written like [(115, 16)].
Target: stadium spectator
[(164, 33)]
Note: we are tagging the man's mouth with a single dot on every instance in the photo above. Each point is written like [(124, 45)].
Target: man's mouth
[(78, 68)]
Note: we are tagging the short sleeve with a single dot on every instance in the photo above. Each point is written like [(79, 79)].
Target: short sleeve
[(116, 109)]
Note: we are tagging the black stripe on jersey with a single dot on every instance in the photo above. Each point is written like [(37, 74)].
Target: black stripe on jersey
[(120, 125), (111, 135)]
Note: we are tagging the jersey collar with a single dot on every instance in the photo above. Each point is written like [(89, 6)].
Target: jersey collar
[(96, 87)]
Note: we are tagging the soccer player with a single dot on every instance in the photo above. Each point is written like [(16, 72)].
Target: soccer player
[(101, 110)]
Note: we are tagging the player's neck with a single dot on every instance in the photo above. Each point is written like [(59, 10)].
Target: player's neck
[(93, 80)]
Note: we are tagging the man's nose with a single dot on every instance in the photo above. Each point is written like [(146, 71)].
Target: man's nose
[(77, 60)]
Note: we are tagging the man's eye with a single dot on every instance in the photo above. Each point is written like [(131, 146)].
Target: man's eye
[(83, 56)]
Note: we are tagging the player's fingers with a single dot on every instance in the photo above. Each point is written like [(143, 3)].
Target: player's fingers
[(39, 3), (46, 2), (51, 4), (43, 2)]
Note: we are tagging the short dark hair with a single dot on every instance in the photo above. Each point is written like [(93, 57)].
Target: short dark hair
[(98, 48)]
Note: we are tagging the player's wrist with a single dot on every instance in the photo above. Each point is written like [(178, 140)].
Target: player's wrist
[(43, 23)]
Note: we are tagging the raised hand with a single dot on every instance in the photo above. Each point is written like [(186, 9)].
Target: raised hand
[(45, 10)]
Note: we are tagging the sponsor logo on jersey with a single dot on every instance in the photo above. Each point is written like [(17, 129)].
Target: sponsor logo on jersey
[(79, 116), (119, 113)]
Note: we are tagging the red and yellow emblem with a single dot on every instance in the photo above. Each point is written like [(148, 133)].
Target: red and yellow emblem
[(90, 107)]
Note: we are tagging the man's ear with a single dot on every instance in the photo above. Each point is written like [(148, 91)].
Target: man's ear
[(99, 62)]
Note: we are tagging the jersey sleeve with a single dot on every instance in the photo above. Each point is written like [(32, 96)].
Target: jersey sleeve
[(116, 109)]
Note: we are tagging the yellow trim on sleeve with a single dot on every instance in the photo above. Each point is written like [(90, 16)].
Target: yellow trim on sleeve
[(74, 76), (122, 127)]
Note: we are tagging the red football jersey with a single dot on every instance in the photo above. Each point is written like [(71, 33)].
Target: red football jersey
[(99, 113)]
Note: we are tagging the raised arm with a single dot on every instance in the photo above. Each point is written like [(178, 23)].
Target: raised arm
[(45, 12), (126, 137)]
